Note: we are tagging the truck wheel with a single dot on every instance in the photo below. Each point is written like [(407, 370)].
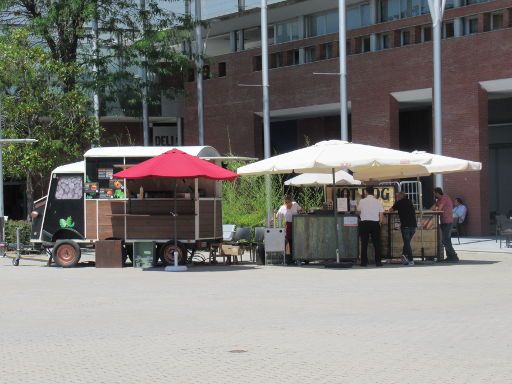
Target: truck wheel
[(66, 253), (167, 253)]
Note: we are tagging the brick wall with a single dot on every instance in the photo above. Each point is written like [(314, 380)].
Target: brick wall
[(230, 121)]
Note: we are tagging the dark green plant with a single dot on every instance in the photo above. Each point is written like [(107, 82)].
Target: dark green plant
[(10, 231), (244, 200)]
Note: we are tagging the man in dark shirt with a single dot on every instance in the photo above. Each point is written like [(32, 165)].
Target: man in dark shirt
[(407, 215)]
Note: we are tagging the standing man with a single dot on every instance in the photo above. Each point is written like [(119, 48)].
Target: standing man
[(285, 214), (371, 213), (444, 204), (408, 224)]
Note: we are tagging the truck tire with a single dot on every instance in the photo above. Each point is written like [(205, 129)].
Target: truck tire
[(66, 253), (167, 253)]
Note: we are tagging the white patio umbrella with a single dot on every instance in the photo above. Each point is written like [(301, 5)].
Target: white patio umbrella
[(321, 179), (331, 156), (431, 164), (326, 156)]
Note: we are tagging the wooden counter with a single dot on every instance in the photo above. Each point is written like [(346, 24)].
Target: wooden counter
[(152, 219), (427, 245), (313, 237)]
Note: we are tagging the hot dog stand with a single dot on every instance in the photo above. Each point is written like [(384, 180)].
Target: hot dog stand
[(313, 233)]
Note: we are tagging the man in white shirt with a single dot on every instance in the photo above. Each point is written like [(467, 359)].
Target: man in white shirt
[(285, 215), (371, 213)]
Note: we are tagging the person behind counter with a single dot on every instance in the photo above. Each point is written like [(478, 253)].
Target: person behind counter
[(285, 214), (371, 213), (408, 224), (444, 204)]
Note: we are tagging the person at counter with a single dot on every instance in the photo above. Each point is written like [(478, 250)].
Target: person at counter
[(285, 215), (444, 204), (408, 224), (371, 213)]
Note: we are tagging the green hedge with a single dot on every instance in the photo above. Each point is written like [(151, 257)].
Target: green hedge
[(10, 231)]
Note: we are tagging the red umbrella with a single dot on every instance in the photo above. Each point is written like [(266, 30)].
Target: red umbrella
[(176, 164)]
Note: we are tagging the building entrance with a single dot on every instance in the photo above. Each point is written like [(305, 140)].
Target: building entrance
[(415, 133), (500, 156)]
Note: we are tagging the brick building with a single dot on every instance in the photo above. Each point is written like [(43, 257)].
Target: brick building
[(389, 86)]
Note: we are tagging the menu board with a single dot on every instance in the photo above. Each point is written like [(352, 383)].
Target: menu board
[(105, 173)]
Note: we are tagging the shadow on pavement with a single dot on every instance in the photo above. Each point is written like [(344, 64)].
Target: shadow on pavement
[(211, 268)]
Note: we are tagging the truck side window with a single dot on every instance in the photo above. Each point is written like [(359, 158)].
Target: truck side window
[(69, 188)]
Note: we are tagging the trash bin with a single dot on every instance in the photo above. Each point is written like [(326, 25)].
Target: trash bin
[(144, 254)]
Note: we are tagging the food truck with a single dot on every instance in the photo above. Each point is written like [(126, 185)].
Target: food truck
[(85, 204)]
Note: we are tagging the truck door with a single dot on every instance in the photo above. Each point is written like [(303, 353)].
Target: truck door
[(65, 207)]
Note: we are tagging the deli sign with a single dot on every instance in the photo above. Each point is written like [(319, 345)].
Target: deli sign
[(165, 136)]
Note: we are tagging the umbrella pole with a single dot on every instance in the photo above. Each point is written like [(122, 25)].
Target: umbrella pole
[(420, 189), (175, 267), (337, 264), (335, 207)]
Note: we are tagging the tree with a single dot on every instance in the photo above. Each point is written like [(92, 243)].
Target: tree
[(129, 37), (35, 103)]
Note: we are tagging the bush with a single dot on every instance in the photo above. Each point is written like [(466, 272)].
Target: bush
[(10, 231), (244, 201)]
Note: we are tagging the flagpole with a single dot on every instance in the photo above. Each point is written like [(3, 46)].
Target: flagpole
[(266, 104), (436, 13)]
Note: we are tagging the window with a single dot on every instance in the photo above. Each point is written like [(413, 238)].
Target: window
[(358, 16), (469, 2), (400, 9), (410, 8), (322, 24), (365, 44), (287, 31), (69, 188), (309, 54), (252, 38), (425, 8), (384, 41), (276, 60), (293, 57), (256, 63), (448, 29), (389, 10), (328, 51), (471, 25), (222, 69), (496, 21), (426, 33), (405, 38)]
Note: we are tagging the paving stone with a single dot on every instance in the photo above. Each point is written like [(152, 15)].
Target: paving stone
[(430, 323)]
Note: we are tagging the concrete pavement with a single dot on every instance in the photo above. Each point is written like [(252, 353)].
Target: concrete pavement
[(430, 323)]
